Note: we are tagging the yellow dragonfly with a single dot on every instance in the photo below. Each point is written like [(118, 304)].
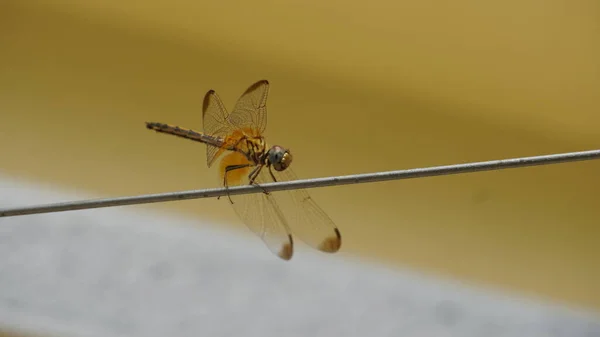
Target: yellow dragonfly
[(247, 159)]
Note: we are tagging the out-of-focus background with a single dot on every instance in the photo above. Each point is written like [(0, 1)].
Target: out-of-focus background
[(355, 87)]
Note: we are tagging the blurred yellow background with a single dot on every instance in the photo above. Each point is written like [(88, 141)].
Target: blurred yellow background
[(355, 87)]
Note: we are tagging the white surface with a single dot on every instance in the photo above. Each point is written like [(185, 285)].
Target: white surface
[(116, 272)]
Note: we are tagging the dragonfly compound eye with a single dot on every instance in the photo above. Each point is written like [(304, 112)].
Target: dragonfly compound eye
[(280, 158)]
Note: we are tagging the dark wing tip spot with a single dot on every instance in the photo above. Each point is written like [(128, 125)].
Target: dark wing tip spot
[(287, 250), (332, 244), (206, 100), (256, 86)]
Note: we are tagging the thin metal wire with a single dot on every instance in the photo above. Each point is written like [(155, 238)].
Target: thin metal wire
[(307, 183)]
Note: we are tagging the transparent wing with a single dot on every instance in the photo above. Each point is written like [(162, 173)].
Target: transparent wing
[(305, 219), (249, 113), (214, 122), (258, 211)]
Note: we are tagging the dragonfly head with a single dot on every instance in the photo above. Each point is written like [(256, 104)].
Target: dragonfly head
[(279, 157)]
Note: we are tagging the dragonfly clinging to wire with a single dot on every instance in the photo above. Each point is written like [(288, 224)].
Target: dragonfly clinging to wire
[(247, 159)]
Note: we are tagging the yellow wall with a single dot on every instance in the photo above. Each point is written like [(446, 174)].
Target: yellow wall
[(354, 88)]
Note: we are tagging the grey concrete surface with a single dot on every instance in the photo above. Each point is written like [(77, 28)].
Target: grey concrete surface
[(126, 272)]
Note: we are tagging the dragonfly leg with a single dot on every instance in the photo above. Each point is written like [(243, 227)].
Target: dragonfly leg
[(227, 169), (252, 176), (272, 175)]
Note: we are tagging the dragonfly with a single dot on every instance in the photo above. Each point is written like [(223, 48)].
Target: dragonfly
[(246, 158)]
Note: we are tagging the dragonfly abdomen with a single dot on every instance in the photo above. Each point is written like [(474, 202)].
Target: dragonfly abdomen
[(185, 133)]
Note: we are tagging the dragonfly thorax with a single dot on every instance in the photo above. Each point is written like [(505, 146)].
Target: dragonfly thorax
[(253, 148), (279, 158)]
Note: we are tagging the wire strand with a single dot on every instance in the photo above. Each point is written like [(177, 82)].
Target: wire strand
[(307, 183)]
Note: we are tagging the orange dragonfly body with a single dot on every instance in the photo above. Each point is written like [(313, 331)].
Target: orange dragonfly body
[(247, 159)]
